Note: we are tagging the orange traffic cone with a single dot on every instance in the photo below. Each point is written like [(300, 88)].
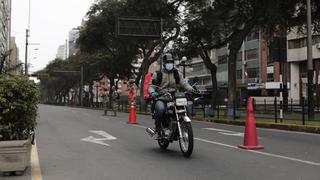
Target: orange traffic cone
[(250, 140), (132, 117)]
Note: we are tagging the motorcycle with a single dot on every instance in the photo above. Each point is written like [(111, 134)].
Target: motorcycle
[(176, 126)]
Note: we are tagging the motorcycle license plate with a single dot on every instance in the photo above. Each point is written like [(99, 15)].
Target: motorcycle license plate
[(181, 102)]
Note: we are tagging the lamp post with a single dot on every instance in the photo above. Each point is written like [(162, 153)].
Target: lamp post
[(26, 53), (27, 42)]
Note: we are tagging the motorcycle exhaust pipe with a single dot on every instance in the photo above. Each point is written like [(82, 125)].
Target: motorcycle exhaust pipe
[(151, 131)]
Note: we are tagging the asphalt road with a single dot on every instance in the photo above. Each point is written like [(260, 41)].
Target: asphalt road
[(82, 144)]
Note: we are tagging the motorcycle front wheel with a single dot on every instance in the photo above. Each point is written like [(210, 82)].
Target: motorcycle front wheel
[(163, 144), (186, 142)]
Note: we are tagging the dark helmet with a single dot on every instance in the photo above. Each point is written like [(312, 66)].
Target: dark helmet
[(167, 58)]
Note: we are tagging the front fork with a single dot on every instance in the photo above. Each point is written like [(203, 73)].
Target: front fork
[(185, 118)]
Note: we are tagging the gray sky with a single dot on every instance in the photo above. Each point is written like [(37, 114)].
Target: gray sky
[(51, 20)]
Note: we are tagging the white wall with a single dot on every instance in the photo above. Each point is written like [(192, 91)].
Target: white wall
[(300, 54), (294, 92)]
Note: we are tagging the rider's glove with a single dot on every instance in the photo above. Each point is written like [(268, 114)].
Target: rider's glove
[(154, 94)]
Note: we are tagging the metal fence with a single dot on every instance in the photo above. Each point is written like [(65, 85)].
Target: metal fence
[(265, 110)]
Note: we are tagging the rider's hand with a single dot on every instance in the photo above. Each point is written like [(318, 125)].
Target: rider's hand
[(154, 94), (195, 91)]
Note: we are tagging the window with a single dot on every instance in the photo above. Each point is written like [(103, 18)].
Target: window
[(197, 67), (239, 56), (239, 74), (302, 42), (270, 77), (251, 54), (222, 59), (253, 72), (295, 43)]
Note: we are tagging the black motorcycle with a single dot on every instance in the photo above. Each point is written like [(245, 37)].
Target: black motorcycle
[(176, 125)]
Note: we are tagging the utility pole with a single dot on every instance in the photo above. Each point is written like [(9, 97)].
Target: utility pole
[(310, 64), (27, 41), (26, 54)]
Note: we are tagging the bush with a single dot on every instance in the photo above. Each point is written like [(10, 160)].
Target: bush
[(18, 107)]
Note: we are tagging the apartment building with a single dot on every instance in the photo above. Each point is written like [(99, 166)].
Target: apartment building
[(297, 60), (72, 39), (256, 73), (62, 52), (5, 25), (14, 58)]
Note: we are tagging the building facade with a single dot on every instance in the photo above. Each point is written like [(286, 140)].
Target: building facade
[(5, 25), (72, 38), (254, 69), (62, 52), (14, 58), (297, 60)]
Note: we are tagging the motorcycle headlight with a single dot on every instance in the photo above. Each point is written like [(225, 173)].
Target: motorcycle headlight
[(181, 101)]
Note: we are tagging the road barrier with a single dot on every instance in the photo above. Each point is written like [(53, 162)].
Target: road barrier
[(250, 140)]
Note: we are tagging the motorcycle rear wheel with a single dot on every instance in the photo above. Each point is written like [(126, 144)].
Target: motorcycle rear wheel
[(186, 142)]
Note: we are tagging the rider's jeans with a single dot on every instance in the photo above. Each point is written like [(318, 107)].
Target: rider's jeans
[(160, 108)]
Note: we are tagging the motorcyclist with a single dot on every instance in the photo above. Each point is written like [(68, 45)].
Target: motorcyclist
[(167, 82)]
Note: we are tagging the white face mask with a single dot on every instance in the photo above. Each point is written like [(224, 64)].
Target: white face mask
[(168, 66)]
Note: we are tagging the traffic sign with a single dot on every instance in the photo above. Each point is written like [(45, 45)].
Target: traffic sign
[(40, 75)]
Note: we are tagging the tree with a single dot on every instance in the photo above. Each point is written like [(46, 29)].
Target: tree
[(222, 22), (98, 36), (98, 39), (169, 12), (64, 75)]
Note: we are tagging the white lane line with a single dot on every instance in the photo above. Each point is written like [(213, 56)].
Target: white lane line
[(219, 130), (35, 164), (289, 132), (259, 152), (266, 129), (234, 134), (226, 132)]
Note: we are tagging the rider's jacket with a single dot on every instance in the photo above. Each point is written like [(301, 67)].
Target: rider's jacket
[(168, 83)]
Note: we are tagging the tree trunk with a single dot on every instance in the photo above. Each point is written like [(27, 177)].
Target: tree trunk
[(214, 99), (234, 46), (213, 70), (142, 101)]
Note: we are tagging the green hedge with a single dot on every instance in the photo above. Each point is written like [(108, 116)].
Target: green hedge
[(18, 107)]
